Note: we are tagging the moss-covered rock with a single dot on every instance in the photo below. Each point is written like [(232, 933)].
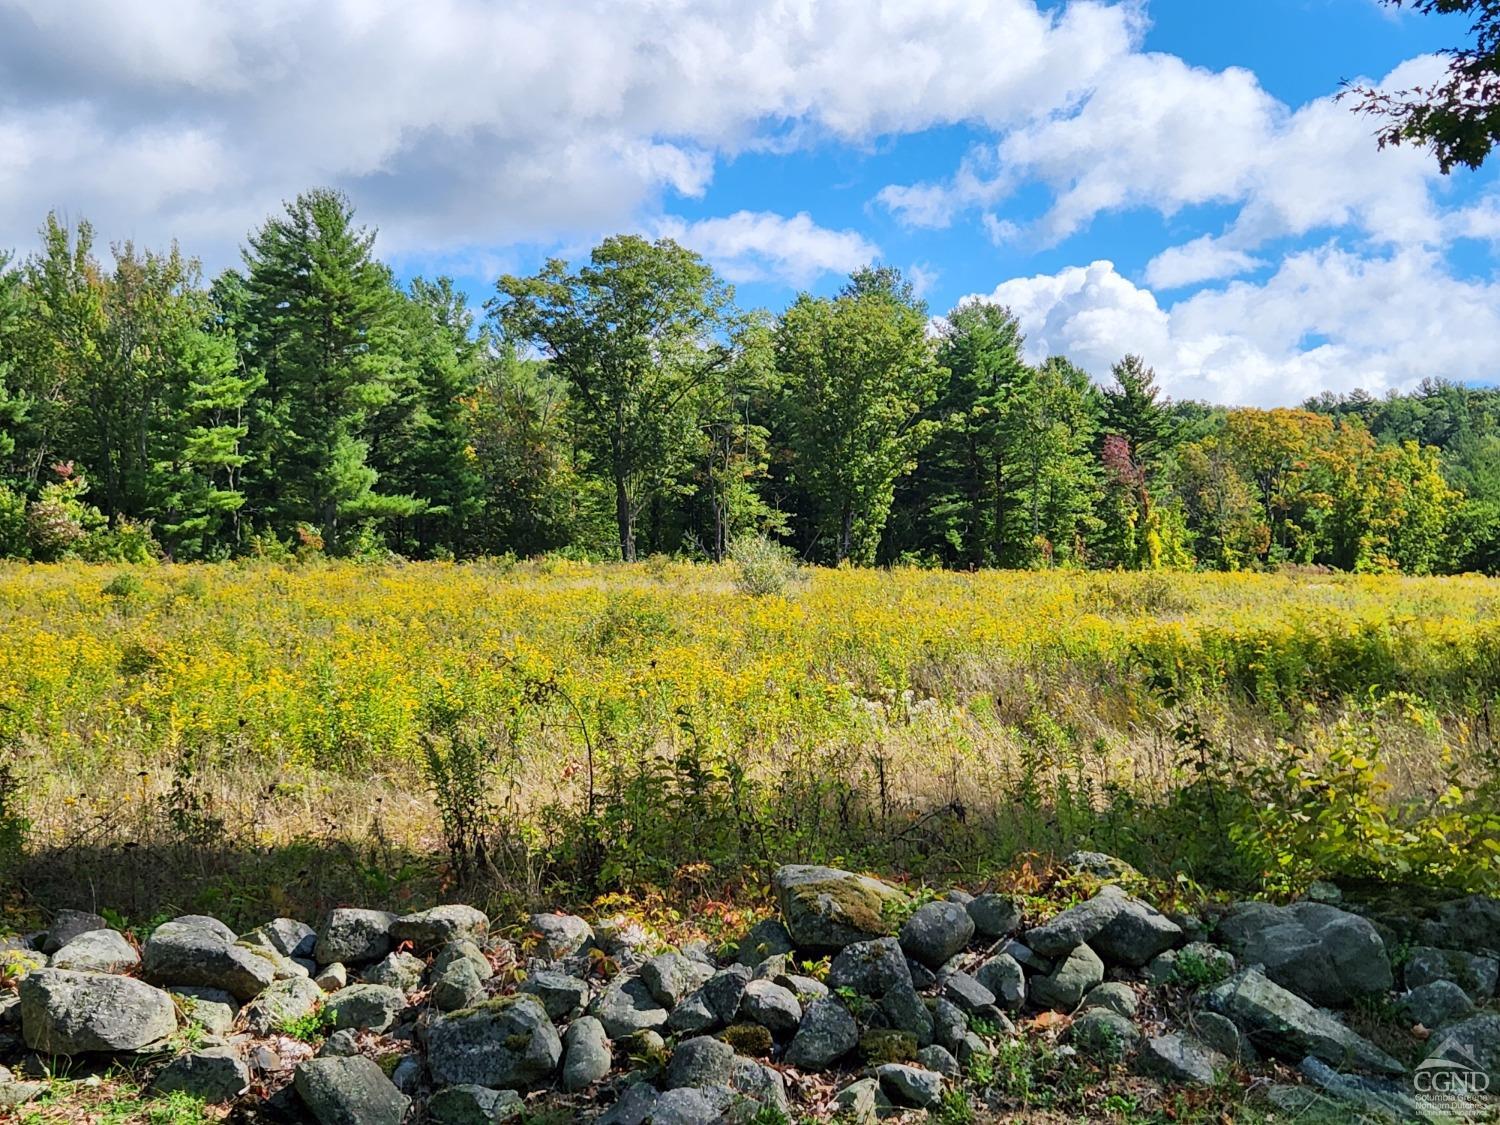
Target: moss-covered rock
[(886, 1045), (825, 908)]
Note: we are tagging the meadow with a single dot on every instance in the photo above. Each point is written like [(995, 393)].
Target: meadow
[(242, 736)]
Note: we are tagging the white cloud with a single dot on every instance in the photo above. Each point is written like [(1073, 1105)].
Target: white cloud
[(759, 246), (1203, 259), (1327, 319)]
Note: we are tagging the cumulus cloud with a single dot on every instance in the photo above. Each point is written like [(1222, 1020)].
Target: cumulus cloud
[(1203, 259), (1327, 319), (760, 246)]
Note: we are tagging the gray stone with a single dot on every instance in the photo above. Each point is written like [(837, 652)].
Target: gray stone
[(474, 1105), (332, 977), (935, 932), (969, 994), (558, 935), (825, 908), (205, 922), (626, 939), (16, 1094), (1220, 1033), (767, 938), (1114, 996), (970, 1044), (1436, 1003), (1291, 1028), (1178, 1059), (1104, 1035), (723, 991), (349, 1091), (428, 929), (371, 1007), (1322, 953), (860, 1102), (869, 967), (1076, 925), (689, 1106), (341, 1044), (68, 1013), (1023, 955), (626, 1007), (353, 936), (1363, 1098), (183, 952), (401, 971), (938, 1060), (215, 1074), (1475, 973), (949, 1024), (586, 1054), (458, 986), (905, 1011), (827, 1033), (97, 951), (806, 989), (1137, 933), (67, 925), (1473, 1043), (1003, 976), (212, 1009), (562, 995), (671, 977), (698, 1062), (995, 915), (633, 1107), (760, 1084), (1196, 964), (286, 936), (910, 1085), (771, 1006), (1471, 923), (693, 1015), (281, 1003), (465, 950), (1100, 865), (505, 1043), (1064, 987)]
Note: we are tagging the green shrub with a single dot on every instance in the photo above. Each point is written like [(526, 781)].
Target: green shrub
[(762, 566)]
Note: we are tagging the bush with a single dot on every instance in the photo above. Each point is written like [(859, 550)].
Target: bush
[(13, 543), (763, 566)]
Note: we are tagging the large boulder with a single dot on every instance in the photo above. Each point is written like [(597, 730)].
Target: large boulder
[(349, 1091), (772, 1006), (869, 967), (189, 951), (827, 1033), (97, 951), (429, 929), (1286, 1025), (558, 935), (1175, 1058), (825, 908), (626, 1007), (506, 1043), (587, 1056), (1137, 933), (1323, 954), (995, 915), (1435, 1003), (372, 1007), (1076, 925), (214, 1074), (935, 932), (671, 977), (353, 937), (700, 1062), (1071, 978), (282, 1003), (68, 1013), (67, 925)]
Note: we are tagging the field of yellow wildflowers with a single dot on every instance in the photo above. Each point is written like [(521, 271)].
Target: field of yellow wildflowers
[(624, 721)]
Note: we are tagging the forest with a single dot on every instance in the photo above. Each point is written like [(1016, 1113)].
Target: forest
[(309, 402)]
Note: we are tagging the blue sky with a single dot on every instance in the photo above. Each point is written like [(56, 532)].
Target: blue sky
[(1163, 176)]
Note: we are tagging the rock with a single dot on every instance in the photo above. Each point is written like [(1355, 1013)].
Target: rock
[(68, 1013), (633, 1107), (806, 989), (562, 995), (1023, 955), (1363, 1098), (671, 977), (690, 1106), (723, 991), (558, 935), (281, 1003), (904, 1011), (949, 1024), (458, 986), (1436, 1003), (372, 1007), (869, 967), (212, 1009), (971, 996), (341, 1044), (827, 1033), (474, 1105), (463, 949), (353, 937), (939, 1061), (1113, 996), (1076, 925), (349, 1091), (995, 915), (698, 1062), (214, 1074), (1475, 973), (1289, 1027), (761, 1085), (626, 939), (1104, 1035), (1321, 953), (971, 1044), (860, 1102), (428, 929), (1196, 965), (1100, 865), (1471, 923), (767, 938), (504, 1043), (1064, 987), (626, 1007), (692, 1016), (67, 925), (1473, 1044), (16, 1094), (772, 1006), (825, 908), (586, 1054), (1178, 1059), (910, 1085), (401, 971), (184, 952), (286, 936), (1137, 933), (1002, 975), (97, 951), (935, 932), (206, 923)]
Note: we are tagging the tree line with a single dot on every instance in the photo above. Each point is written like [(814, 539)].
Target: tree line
[(627, 405)]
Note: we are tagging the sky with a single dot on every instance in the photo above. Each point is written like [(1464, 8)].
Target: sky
[(1166, 177)]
